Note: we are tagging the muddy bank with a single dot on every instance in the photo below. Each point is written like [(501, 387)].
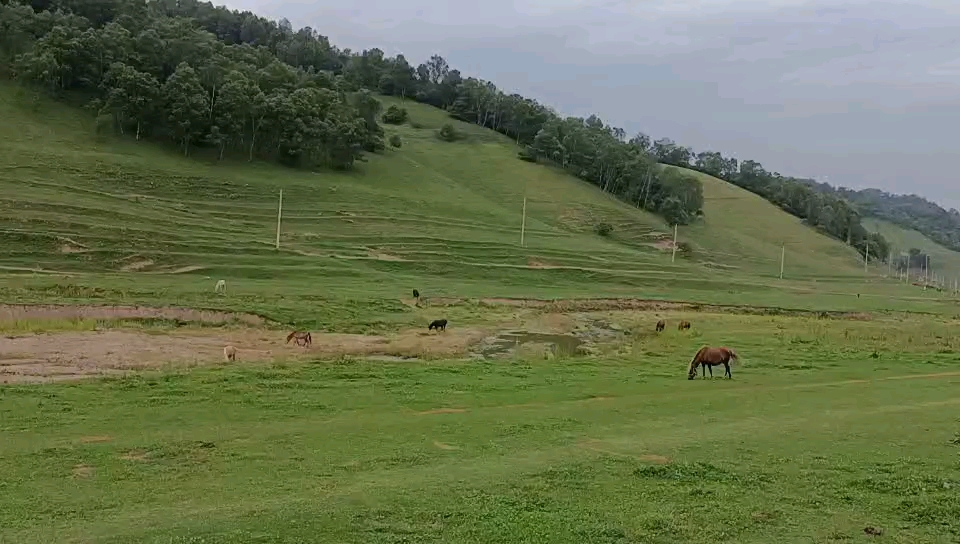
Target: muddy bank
[(635, 304), (72, 355), (16, 312)]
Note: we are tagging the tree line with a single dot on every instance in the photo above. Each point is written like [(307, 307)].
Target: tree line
[(211, 76)]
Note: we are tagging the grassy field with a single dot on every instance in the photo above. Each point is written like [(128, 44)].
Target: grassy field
[(98, 219), (828, 427)]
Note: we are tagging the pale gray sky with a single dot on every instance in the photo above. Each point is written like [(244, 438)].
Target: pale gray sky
[(857, 93)]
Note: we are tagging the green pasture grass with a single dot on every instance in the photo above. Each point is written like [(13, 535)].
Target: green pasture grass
[(101, 214), (828, 427)]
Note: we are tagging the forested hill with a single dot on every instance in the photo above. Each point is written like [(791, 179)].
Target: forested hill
[(908, 211), (206, 76)]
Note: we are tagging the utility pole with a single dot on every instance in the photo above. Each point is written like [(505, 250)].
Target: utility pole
[(279, 216), (673, 257), (523, 221), (783, 254)]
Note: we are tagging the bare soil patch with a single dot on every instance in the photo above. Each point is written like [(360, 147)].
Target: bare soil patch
[(136, 265), (95, 439), (441, 411), (635, 304), (83, 472), (16, 312), (134, 455), (72, 355)]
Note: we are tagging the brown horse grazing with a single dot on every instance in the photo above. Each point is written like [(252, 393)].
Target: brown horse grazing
[(302, 338), (707, 357), (661, 325), (684, 325)]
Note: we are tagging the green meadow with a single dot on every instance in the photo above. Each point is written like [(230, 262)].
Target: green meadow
[(830, 425)]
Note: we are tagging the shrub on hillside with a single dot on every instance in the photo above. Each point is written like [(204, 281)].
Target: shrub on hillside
[(603, 228), (395, 141), (395, 115), (525, 155), (448, 134)]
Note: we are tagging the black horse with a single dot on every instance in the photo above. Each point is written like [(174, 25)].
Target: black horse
[(439, 324)]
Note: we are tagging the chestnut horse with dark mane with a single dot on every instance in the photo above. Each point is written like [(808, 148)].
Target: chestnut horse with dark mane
[(707, 357)]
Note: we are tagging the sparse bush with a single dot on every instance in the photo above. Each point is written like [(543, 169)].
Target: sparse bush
[(603, 228), (526, 156), (395, 115), (395, 141), (448, 134)]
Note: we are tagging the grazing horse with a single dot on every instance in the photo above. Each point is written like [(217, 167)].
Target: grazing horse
[(684, 325), (439, 324), (416, 294), (661, 325), (707, 357), (302, 339), (220, 287), (230, 353)]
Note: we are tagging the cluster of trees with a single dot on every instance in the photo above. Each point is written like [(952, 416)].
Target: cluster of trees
[(153, 73), (915, 259), (211, 76)]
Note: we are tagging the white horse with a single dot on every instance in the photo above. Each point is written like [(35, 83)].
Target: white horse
[(221, 287)]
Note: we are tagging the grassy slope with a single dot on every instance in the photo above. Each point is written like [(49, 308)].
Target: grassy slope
[(439, 216), (810, 442), (943, 261)]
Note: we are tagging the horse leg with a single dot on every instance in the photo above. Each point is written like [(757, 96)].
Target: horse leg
[(711, 371), (726, 372)]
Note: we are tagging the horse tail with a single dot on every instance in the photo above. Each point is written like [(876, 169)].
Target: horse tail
[(734, 358), (696, 359), (290, 336)]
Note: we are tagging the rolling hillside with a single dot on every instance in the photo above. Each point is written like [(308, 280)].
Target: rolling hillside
[(943, 262), (442, 216)]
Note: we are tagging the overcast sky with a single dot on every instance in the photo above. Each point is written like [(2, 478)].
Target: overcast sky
[(856, 93)]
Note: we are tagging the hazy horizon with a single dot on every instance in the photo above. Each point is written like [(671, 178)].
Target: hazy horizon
[(866, 94)]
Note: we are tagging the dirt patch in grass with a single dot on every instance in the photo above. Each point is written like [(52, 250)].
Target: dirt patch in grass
[(134, 455), (18, 312), (72, 355), (95, 439), (634, 304), (184, 269), (136, 265), (441, 411), (69, 249), (83, 472)]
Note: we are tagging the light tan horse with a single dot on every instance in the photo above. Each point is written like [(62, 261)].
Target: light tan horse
[(230, 353), (302, 339), (707, 357)]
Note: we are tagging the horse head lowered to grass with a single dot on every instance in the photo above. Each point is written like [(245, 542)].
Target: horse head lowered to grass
[(707, 357)]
